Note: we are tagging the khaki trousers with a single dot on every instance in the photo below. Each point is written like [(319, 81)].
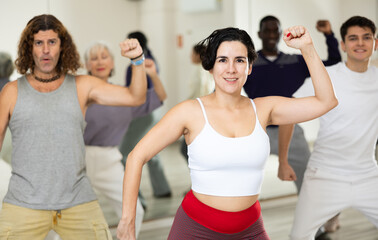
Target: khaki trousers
[(85, 221)]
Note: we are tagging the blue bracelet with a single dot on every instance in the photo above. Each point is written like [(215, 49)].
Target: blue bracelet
[(139, 62)]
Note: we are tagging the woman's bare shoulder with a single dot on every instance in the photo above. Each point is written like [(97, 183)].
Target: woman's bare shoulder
[(187, 107), (264, 106)]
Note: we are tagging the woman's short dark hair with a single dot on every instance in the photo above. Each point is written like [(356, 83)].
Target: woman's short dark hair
[(212, 43), (356, 21), (69, 59), (198, 49), (142, 39)]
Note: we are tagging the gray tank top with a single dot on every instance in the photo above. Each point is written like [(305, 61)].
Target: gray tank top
[(48, 157)]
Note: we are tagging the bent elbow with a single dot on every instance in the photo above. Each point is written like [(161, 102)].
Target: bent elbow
[(136, 158), (142, 100), (139, 101), (332, 104), (164, 97)]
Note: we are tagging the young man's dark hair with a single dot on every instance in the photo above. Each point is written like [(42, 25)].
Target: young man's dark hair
[(268, 18), (356, 21)]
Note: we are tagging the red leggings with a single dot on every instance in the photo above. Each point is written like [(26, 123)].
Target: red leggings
[(195, 220)]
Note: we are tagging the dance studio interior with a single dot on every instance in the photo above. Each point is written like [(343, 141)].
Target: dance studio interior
[(173, 27)]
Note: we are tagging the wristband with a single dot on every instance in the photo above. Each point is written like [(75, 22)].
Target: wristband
[(139, 62), (136, 57)]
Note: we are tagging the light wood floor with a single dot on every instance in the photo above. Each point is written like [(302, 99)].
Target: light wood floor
[(277, 200)]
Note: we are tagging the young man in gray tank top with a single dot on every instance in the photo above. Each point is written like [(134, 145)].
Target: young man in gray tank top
[(45, 111)]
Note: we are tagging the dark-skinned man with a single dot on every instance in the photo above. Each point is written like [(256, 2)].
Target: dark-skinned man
[(279, 74)]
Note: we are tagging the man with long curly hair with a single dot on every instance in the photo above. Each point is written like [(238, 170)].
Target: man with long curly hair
[(45, 111)]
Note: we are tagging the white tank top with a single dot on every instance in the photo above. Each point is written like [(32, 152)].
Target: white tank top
[(224, 166)]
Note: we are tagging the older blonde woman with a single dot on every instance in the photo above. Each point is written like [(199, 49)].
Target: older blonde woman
[(106, 126)]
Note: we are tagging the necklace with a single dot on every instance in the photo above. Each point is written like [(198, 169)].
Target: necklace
[(44, 80)]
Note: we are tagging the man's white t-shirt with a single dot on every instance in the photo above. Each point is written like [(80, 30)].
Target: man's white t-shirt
[(348, 133)]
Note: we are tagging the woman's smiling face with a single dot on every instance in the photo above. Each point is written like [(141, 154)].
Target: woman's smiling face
[(231, 66), (100, 63)]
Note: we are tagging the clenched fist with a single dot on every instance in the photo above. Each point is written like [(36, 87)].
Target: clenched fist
[(297, 37), (131, 48)]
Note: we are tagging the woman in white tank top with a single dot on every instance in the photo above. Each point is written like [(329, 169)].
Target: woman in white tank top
[(227, 143)]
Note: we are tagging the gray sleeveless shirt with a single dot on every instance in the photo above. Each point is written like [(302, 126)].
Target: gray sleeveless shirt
[(48, 157)]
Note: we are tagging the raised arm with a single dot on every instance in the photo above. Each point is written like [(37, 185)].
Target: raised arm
[(165, 132), (108, 94), (295, 110), (158, 85), (334, 56)]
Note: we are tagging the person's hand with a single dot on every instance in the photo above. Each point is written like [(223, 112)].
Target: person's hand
[(150, 66), (125, 231), (324, 26), (286, 173), (297, 37), (131, 48)]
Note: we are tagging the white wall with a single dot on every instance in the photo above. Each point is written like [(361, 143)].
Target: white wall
[(157, 21), (86, 20), (194, 27), (164, 20), (13, 19), (306, 13)]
